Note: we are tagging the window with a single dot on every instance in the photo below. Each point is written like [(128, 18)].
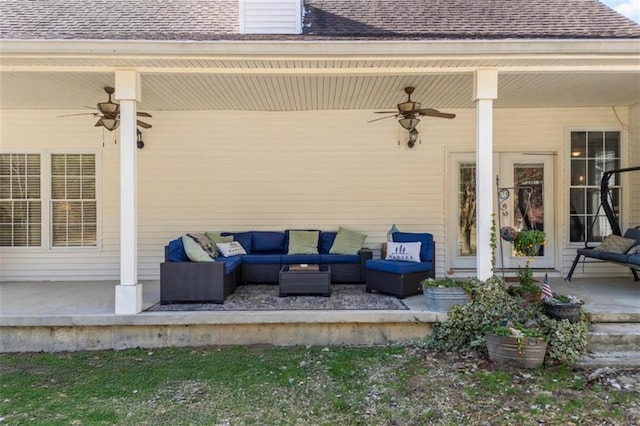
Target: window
[(20, 203), (592, 153), (73, 200)]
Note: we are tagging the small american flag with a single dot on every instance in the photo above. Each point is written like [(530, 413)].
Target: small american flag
[(546, 289)]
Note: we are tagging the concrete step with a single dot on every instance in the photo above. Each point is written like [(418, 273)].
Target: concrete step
[(610, 359), (614, 337)]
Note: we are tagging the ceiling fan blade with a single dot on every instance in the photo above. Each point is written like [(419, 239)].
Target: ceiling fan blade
[(143, 124), (98, 123), (144, 114), (381, 118), (82, 113), (385, 112), (435, 113)]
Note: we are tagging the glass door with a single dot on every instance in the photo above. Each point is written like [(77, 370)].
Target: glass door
[(526, 203)]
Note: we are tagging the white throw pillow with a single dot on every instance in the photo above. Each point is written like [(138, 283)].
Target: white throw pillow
[(408, 252), (232, 248)]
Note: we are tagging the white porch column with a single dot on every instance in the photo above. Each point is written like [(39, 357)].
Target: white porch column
[(485, 91), (129, 292)]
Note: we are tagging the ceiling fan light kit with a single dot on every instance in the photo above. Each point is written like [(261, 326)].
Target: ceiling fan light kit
[(409, 123), (108, 123)]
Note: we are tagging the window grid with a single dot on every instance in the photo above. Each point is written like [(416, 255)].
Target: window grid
[(73, 200), (20, 202), (592, 153)]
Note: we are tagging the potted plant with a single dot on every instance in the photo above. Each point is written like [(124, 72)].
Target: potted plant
[(527, 242), (442, 294), (527, 288), (561, 307), (517, 344)]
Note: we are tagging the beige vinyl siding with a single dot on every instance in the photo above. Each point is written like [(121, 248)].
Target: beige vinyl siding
[(235, 171)]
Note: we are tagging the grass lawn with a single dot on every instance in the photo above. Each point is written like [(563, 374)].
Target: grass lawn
[(395, 385)]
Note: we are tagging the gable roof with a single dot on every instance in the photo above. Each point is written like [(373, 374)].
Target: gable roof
[(209, 20)]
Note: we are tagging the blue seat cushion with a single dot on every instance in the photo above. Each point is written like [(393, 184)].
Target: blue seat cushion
[(231, 263), (339, 258), (326, 241), (588, 252), (291, 259), (261, 259), (177, 252), (267, 242), (397, 267), (426, 248), (614, 257)]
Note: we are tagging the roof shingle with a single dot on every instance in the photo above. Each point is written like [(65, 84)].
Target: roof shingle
[(324, 19)]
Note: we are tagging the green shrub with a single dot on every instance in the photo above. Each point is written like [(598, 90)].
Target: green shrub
[(490, 305)]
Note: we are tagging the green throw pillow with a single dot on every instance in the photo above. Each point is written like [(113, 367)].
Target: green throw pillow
[(303, 242), (347, 242), (216, 238), (194, 251)]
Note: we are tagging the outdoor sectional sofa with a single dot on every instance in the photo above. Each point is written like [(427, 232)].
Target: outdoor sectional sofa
[(185, 281)]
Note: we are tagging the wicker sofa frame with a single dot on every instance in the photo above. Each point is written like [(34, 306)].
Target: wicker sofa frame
[(200, 282)]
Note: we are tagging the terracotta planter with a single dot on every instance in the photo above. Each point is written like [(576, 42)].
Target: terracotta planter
[(560, 311), (524, 352), (532, 297), (440, 299)]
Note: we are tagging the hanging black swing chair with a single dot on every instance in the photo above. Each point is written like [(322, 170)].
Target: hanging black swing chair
[(630, 257)]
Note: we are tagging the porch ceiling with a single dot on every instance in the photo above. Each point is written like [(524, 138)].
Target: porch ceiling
[(327, 83)]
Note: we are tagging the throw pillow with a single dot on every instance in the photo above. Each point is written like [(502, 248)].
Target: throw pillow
[(204, 242), (347, 242), (216, 238), (303, 242), (615, 244), (232, 248), (408, 252), (194, 251)]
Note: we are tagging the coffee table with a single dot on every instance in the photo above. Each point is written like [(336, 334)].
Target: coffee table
[(300, 279)]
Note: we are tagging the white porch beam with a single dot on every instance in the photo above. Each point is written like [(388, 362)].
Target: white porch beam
[(485, 91), (129, 292)]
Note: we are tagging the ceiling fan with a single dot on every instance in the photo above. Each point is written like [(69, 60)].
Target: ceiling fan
[(108, 114), (409, 112)]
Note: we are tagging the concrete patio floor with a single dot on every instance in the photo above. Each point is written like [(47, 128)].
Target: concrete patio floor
[(602, 297), (67, 316)]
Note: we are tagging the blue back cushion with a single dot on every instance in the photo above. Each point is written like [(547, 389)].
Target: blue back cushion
[(634, 234), (267, 242), (244, 238), (326, 241), (176, 251), (426, 248)]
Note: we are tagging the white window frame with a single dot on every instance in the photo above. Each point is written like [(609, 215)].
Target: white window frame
[(46, 240), (624, 180)]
